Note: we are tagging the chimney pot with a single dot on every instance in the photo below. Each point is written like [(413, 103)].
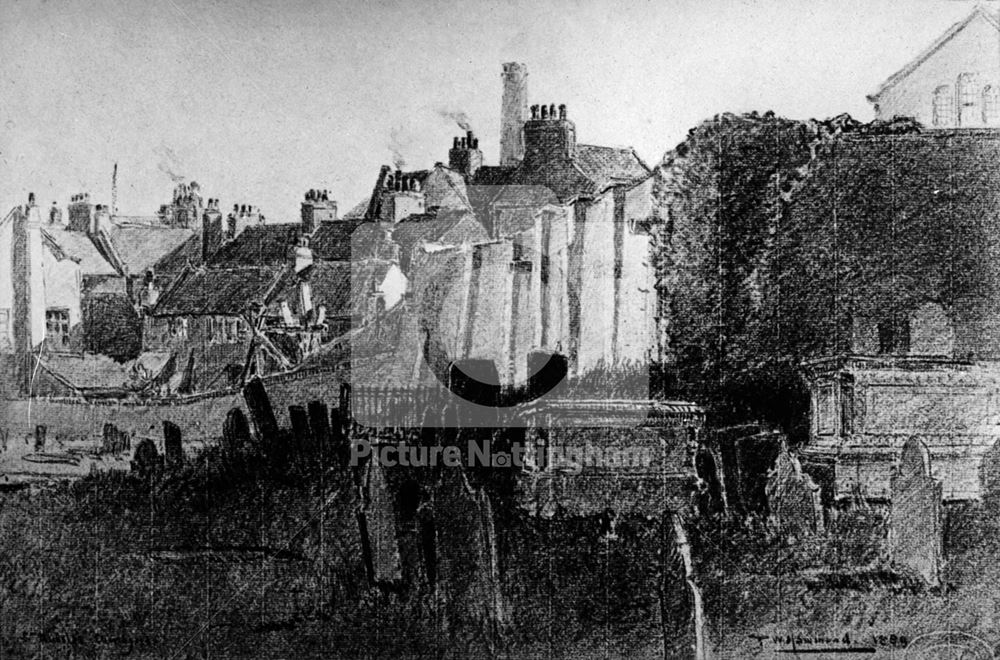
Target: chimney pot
[(534, 112), (552, 111), (31, 199), (469, 135), (454, 144), (545, 112), (562, 111)]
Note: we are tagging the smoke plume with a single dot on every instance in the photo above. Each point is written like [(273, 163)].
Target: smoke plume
[(399, 141), (169, 163), (456, 116)]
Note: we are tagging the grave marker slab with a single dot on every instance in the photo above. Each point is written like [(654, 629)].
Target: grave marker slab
[(793, 498), (915, 535)]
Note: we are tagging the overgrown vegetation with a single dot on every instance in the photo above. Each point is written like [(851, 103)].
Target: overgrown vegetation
[(725, 256)]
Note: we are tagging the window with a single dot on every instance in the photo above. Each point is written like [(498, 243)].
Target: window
[(57, 327), (178, 328), (991, 105), (969, 98), (894, 336), (944, 106), (223, 329)]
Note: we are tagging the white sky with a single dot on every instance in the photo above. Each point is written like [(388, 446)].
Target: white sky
[(260, 102)]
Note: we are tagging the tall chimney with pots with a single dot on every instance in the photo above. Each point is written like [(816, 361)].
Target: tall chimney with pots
[(513, 113), (317, 208), (81, 212), (212, 230), (401, 197), (549, 135), (464, 156), (242, 216), (28, 322)]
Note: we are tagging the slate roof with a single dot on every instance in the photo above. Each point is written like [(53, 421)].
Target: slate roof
[(611, 164), (358, 211), (590, 172), (449, 227), (332, 240), (80, 248), (258, 245), (142, 247), (330, 283), (187, 253), (222, 291)]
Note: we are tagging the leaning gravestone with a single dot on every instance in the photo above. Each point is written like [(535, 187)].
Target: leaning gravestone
[(793, 499), (681, 610), (915, 534), (755, 455), (377, 522)]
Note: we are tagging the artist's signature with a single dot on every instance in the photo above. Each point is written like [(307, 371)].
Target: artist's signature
[(839, 643), (916, 647)]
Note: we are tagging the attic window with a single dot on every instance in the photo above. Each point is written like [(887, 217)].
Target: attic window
[(991, 105), (944, 106)]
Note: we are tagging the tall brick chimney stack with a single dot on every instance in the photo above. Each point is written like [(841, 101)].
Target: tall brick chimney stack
[(514, 112)]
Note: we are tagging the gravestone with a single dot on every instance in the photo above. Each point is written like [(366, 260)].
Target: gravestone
[(755, 456), (793, 498), (682, 615), (40, 437), (467, 571), (261, 414), (109, 438), (915, 533), (319, 425), (146, 459), (301, 432), (340, 446), (377, 520), (235, 431), (712, 492), (173, 452)]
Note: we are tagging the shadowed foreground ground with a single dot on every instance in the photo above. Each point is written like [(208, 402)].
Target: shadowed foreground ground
[(111, 567)]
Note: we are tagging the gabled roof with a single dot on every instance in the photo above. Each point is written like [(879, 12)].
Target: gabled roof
[(222, 291), (442, 187), (79, 247), (179, 258), (258, 245), (978, 12), (449, 227), (330, 283), (142, 247), (358, 211), (342, 287), (611, 164), (591, 171), (332, 240)]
